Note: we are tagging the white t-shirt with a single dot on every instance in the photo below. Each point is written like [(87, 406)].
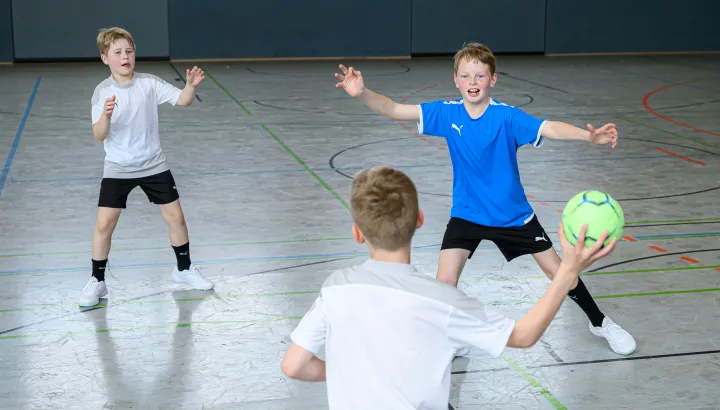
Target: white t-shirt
[(132, 149), (390, 335)]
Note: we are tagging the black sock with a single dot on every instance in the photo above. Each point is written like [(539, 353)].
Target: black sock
[(182, 253), (582, 297), (99, 269)]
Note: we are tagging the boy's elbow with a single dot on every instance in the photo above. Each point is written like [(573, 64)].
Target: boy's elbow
[(521, 339), (288, 368)]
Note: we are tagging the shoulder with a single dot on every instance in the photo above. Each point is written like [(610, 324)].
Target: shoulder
[(148, 78), (442, 103), (101, 88)]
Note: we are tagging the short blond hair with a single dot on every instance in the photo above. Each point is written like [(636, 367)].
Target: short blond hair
[(384, 203), (108, 36), (475, 52)]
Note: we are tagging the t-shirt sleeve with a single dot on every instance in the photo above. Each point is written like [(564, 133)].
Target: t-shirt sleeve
[(524, 127), (431, 118), (311, 331), (474, 324), (165, 92), (97, 106)]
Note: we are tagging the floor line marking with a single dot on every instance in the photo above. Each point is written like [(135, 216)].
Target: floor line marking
[(681, 156)]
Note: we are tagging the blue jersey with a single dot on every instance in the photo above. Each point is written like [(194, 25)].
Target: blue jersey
[(486, 179)]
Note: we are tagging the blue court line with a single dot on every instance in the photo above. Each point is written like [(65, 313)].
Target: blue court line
[(216, 261), (300, 170), (18, 135), (674, 235)]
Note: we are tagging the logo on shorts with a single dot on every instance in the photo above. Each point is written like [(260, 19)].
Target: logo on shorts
[(541, 238), (458, 129)]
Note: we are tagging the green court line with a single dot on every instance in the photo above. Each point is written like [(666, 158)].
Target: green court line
[(307, 168), (281, 241), (210, 245), (670, 237), (669, 292), (133, 329), (284, 145), (220, 86), (629, 271), (534, 382)]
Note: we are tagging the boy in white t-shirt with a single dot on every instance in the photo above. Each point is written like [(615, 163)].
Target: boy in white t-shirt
[(391, 333), (125, 118)]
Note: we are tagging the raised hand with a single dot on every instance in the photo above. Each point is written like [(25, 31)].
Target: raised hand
[(607, 134), (578, 256), (351, 81), (109, 106), (194, 76)]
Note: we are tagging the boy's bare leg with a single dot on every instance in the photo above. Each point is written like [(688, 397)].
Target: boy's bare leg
[(174, 217), (105, 224), (620, 341), (451, 264)]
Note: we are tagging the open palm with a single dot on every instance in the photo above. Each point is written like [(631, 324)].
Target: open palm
[(350, 80), (607, 134), (195, 76)]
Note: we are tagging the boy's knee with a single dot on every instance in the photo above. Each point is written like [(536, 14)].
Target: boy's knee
[(105, 226)]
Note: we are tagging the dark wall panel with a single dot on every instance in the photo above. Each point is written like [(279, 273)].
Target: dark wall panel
[(45, 29), (632, 26), (6, 42), (504, 26), (281, 28)]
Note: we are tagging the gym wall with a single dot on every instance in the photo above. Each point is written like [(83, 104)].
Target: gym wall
[(47, 30), (222, 29), (6, 43)]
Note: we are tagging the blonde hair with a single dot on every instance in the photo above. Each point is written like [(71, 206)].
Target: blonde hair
[(108, 36), (384, 205), (475, 52)]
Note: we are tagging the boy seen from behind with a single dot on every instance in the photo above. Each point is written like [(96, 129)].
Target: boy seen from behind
[(391, 333)]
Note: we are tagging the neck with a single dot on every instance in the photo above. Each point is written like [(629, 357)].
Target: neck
[(123, 79), (399, 256), (475, 110)]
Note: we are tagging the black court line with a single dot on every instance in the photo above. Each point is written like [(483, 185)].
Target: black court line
[(532, 82), (183, 78), (404, 71), (311, 111), (586, 362), (660, 255)]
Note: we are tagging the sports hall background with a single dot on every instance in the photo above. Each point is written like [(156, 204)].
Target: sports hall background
[(224, 29)]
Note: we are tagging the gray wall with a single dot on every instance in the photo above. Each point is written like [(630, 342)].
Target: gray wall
[(504, 26), (217, 29), (282, 28), (44, 29), (575, 26), (6, 42)]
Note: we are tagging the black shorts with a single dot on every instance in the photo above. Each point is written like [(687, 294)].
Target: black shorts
[(512, 242), (159, 188)]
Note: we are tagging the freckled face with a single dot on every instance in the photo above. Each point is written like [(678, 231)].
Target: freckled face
[(474, 80)]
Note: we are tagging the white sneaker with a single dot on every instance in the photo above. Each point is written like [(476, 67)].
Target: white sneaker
[(621, 342), (192, 277), (92, 292)]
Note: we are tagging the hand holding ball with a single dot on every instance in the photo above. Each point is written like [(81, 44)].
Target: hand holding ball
[(599, 211)]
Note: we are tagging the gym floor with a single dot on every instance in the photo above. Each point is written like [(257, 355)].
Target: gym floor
[(263, 161)]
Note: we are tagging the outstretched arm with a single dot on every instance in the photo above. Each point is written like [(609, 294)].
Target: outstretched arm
[(352, 81), (556, 130)]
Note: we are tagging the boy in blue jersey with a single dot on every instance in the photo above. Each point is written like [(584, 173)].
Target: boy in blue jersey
[(489, 202)]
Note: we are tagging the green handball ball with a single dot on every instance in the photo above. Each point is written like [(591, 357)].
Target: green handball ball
[(596, 209)]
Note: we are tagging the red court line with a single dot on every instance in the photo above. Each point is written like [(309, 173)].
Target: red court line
[(682, 124), (691, 260), (629, 238), (681, 156), (655, 248)]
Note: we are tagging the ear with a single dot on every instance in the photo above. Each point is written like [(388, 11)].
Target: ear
[(104, 58), (455, 80), (357, 235), (421, 219), (494, 80)]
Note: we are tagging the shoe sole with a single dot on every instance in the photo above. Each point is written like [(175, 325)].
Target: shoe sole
[(94, 304)]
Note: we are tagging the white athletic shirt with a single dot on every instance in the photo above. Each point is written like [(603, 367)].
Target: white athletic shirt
[(390, 335), (132, 149)]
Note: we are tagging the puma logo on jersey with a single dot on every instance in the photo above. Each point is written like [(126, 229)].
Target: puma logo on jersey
[(540, 238), (458, 129)]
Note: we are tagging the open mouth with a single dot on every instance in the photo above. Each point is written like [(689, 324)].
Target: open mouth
[(473, 92), (126, 65)]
